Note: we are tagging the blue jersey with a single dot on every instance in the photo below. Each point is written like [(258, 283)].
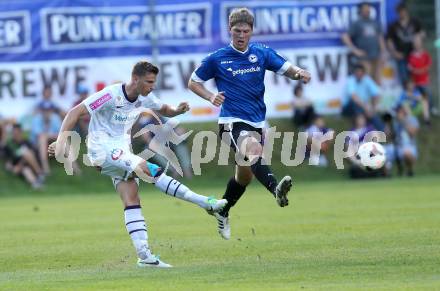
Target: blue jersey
[(241, 76)]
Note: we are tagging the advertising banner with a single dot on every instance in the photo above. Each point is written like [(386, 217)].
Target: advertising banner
[(64, 44)]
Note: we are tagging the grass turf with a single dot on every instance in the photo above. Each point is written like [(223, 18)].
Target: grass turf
[(335, 235)]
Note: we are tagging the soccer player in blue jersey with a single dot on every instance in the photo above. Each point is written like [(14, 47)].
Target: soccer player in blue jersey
[(238, 70)]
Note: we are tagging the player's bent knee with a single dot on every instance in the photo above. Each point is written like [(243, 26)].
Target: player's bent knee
[(254, 149), (243, 176), (244, 181)]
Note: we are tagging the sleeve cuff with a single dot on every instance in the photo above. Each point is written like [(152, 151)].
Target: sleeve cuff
[(87, 107), (284, 68), (196, 78)]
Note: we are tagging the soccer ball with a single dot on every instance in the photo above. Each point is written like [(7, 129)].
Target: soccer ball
[(371, 155)]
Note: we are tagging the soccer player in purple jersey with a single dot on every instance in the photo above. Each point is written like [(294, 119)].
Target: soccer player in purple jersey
[(113, 111)]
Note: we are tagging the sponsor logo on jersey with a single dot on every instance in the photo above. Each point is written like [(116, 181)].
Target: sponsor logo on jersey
[(245, 71), (121, 118), (116, 154), (252, 58), (225, 62), (99, 102)]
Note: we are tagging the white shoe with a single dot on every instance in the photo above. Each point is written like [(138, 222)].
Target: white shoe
[(153, 262), (224, 228), (281, 191), (216, 205)]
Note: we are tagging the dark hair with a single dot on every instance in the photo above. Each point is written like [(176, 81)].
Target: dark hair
[(316, 116), (16, 126), (401, 6), (407, 82), (356, 116), (387, 117), (297, 88), (142, 68), (362, 4), (358, 67), (241, 15)]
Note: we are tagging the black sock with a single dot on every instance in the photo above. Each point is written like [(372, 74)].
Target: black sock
[(233, 193), (264, 175)]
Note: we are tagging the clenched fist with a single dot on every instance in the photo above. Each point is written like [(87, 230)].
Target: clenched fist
[(183, 107), (217, 99)]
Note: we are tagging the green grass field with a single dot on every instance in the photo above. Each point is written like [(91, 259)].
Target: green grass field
[(335, 235)]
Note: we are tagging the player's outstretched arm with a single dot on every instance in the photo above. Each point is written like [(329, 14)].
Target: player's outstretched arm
[(68, 124), (296, 73), (215, 98), (170, 111)]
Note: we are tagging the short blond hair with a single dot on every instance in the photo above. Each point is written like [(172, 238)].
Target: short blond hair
[(241, 15)]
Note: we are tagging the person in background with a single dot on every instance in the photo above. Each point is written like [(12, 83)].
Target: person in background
[(2, 136), (362, 97), (47, 102), (361, 127), (83, 122), (303, 111), (419, 63), (366, 42), (314, 132), (414, 99), (406, 128), (44, 130), (21, 158), (400, 38), (389, 145)]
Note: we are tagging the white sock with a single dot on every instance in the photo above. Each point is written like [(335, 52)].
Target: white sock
[(137, 229), (174, 188)]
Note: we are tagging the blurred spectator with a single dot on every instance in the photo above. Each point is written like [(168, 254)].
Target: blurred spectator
[(83, 123), (406, 127), (389, 145), (414, 99), (314, 132), (419, 63), (47, 103), (2, 136), (45, 127), (21, 158), (362, 96), (303, 111), (361, 127), (5, 127), (366, 42), (359, 131), (400, 39)]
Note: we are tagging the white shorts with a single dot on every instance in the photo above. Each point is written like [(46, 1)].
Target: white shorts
[(115, 159)]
